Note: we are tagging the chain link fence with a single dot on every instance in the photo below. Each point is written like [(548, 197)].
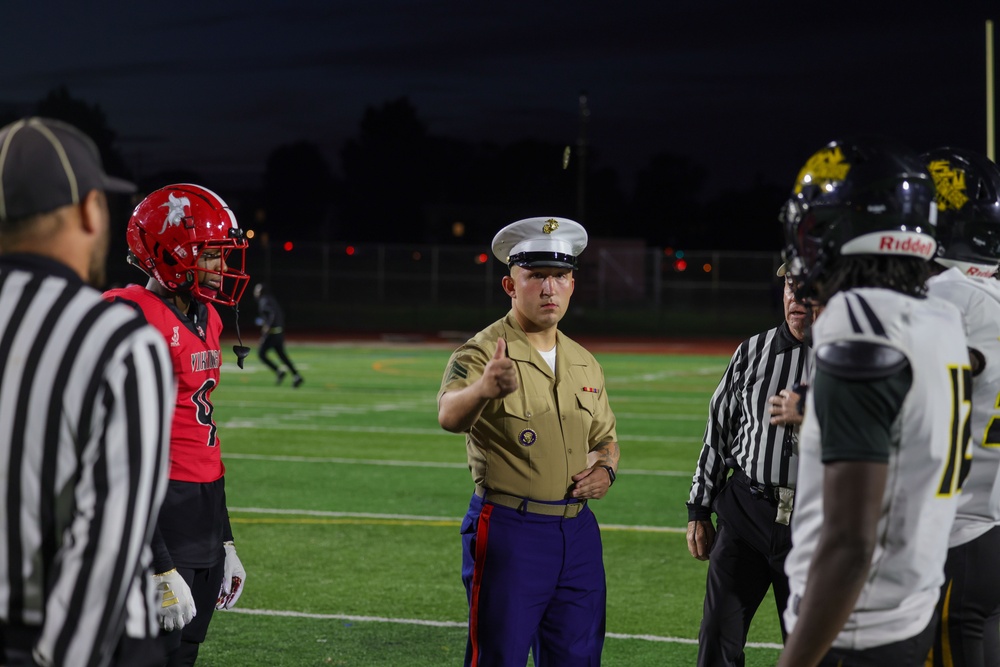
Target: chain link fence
[(622, 288)]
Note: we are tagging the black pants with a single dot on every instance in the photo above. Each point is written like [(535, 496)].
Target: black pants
[(181, 646), (747, 558), (910, 652), (275, 342), (968, 632)]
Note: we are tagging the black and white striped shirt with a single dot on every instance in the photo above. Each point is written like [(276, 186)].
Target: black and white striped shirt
[(86, 397), (739, 433)]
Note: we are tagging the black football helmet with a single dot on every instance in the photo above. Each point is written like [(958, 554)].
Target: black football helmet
[(865, 196), (968, 198)]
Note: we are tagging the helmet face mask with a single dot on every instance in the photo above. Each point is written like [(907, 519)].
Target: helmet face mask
[(857, 197), (968, 196), (187, 239)]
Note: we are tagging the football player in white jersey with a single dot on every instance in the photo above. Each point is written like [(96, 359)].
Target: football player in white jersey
[(968, 196), (885, 432)]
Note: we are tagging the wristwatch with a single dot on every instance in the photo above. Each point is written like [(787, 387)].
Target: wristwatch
[(611, 473)]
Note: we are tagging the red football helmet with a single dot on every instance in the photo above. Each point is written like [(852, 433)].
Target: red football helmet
[(173, 227)]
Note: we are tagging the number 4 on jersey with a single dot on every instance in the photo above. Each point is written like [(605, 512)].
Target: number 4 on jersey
[(205, 409)]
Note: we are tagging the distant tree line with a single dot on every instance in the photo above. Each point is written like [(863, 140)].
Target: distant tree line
[(399, 183)]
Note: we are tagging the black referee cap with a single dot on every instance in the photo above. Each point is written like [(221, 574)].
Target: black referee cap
[(46, 164)]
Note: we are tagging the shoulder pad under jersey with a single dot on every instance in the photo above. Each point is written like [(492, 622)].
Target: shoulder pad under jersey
[(860, 359)]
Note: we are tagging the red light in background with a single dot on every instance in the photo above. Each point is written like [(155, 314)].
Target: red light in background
[(288, 246), (707, 268), (481, 258), (668, 251), (680, 265), (349, 250)]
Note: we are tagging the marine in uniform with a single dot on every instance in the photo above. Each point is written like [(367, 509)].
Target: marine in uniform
[(541, 443), (968, 196), (185, 237), (883, 442), (746, 474)]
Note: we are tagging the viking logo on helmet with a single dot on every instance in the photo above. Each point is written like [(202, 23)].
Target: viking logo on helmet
[(823, 169), (175, 211), (950, 184)]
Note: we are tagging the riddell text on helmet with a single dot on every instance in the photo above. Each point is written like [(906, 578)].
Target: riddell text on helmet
[(908, 246), (975, 271)]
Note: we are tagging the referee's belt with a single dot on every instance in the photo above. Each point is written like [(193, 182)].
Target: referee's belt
[(568, 509), (766, 492), (781, 497)]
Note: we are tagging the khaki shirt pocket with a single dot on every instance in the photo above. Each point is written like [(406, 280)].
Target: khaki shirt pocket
[(587, 402), (521, 414)]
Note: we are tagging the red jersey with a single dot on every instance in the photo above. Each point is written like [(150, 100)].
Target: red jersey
[(195, 452)]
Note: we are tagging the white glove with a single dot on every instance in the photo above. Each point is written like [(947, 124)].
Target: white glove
[(232, 579), (177, 604)]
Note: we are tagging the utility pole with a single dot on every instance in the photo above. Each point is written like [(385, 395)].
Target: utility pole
[(581, 162), (991, 145)]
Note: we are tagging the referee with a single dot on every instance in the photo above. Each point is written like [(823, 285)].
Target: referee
[(751, 432), (85, 402)]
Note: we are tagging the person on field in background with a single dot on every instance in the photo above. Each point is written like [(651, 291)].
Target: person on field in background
[(746, 474), (541, 443), (187, 240), (271, 319)]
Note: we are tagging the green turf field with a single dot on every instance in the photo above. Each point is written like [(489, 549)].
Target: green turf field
[(346, 497)]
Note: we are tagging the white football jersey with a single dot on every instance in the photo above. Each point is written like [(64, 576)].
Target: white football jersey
[(979, 301), (927, 450)]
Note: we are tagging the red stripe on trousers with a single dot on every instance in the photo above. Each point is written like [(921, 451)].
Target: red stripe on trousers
[(482, 533)]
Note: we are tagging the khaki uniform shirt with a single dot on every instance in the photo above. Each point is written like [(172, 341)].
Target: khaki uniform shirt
[(530, 443)]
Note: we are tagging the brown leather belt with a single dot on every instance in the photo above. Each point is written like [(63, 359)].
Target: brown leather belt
[(567, 509)]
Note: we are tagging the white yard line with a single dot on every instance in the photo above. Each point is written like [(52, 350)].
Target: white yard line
[(278, 424), (454, 624), (429, 519), (412, 464)]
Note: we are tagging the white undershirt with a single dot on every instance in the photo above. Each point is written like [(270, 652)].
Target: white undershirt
[(550, 358)]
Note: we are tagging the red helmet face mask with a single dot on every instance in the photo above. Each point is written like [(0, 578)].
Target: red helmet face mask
[(186, 238)]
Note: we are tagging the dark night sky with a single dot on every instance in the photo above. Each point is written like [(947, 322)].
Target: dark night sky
[(749, 89)]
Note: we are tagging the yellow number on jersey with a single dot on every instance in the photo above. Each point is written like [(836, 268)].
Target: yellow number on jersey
[(959, 457)]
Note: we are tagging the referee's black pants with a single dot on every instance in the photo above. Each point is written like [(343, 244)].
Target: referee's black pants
[(747, 557)]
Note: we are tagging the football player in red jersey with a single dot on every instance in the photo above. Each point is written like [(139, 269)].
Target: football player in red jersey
[(187, 240)]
